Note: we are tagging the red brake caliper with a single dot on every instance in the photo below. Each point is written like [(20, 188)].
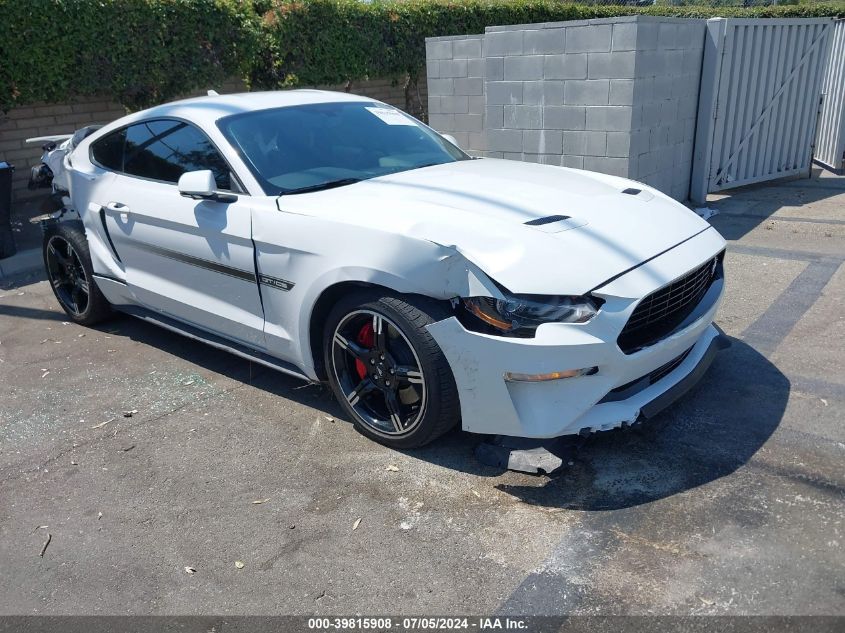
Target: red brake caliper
[(367, 338)]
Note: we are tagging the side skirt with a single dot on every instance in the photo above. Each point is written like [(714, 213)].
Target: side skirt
[(213, 340)]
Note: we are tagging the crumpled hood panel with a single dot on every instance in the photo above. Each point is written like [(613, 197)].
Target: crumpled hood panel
[(480, 207)]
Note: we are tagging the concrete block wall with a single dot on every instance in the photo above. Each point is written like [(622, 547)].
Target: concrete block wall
[(549, 93), (665, 101), (42, 119), (455, 73), (617, 95)]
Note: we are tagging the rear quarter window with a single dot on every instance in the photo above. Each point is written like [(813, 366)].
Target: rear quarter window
[(108, 151)]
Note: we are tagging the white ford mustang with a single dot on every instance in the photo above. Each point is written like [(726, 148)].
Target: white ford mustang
[(333, 237)]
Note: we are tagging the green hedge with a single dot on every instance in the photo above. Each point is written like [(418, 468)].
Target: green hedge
[(331, 41), (141, 52)]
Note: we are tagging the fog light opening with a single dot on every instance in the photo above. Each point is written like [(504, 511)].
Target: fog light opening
[(511, 376)]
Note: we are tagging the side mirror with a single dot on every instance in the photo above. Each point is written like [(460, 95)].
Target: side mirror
[(451, 139), (200, 185)]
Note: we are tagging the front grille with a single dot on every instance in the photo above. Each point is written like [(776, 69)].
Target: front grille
[(665, 309)]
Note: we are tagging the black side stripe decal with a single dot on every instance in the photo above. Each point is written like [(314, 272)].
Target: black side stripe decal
[(198, 262), (217, 267)]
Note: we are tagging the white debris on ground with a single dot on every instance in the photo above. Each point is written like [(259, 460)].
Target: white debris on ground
[(706, 212), (413, 513)]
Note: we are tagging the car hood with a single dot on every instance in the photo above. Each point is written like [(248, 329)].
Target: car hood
[(481, 207)]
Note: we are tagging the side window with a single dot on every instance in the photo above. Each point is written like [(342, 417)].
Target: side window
[(164, 150), (108, 151)]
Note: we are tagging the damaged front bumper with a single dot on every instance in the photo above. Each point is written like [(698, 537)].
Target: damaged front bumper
[(613, 388)]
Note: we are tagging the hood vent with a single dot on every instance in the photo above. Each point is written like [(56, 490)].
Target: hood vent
[(547, 220), (645, 196), (555, 223)]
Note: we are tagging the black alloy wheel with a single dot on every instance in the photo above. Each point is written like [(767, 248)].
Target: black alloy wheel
[(387, 371), (67, 276), (68, 263), (378, 372)]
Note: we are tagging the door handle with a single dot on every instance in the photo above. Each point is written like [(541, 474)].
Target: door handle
[(119, 207)]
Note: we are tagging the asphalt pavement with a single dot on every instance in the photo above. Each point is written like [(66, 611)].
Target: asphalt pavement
[(145, 456)]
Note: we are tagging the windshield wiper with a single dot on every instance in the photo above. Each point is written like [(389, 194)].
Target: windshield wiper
[(331, 184)]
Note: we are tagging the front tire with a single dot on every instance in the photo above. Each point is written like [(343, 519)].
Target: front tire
[(71, 275), (386, 370)]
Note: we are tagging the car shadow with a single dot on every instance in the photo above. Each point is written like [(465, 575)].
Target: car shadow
[(710, 433), (22, 312), (454, 450), (224, 363)]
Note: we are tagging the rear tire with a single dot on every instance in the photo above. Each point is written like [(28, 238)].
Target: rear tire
[(386, 370), (71, 275)]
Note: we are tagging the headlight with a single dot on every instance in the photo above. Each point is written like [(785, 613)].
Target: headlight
[(521, 314)]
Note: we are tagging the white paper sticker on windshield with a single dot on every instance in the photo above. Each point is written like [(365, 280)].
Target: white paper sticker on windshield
[(391, 116)]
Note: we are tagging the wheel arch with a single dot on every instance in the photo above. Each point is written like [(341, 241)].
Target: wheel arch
[(329, 297)]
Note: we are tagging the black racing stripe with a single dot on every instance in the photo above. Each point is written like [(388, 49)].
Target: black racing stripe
[(645, 261), (200, 263)]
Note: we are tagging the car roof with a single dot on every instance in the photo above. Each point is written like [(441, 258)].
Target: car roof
[(214, 107)]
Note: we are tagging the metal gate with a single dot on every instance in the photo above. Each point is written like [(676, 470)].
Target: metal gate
[(830, 141), (759, 101)]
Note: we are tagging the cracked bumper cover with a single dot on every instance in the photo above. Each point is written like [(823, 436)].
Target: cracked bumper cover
[(492, 405)]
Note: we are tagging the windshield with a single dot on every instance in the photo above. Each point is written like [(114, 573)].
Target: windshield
[(333, 144)]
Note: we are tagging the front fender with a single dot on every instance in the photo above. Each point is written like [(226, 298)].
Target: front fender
[(314, 254)]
